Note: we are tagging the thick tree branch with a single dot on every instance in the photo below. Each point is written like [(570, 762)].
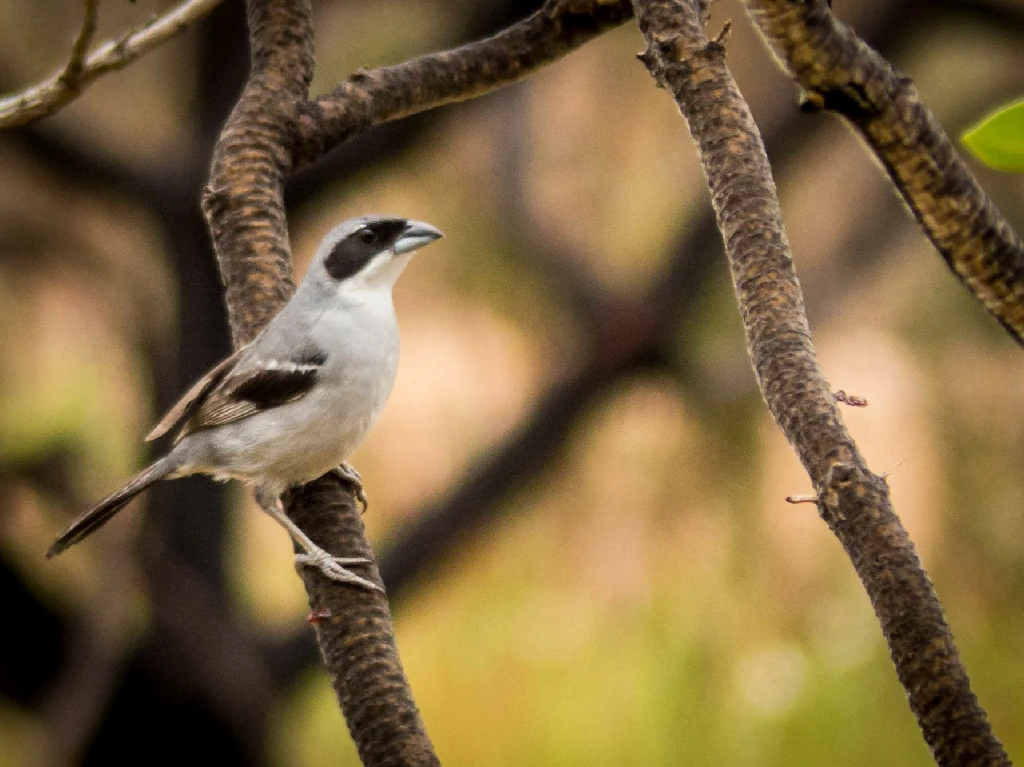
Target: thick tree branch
[(373, 96), (56, 92), (244, 205), (836, 70), (851, 499)]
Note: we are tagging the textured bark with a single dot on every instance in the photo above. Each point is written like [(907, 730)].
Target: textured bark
[(373, 96), (356, 635), (852, 500), (244, 205), (837, 71)]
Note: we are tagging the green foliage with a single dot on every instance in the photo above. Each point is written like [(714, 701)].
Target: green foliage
[(998, 140)]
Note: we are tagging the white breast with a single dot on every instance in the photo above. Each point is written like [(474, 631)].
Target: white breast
[(317, 432)]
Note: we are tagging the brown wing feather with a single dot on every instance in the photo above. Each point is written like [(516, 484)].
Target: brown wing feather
[(241, 395), (216, 410), (185, 407)]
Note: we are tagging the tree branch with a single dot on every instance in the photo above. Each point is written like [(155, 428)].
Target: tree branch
[(837, 71), (56, 92), (244, 205), (370, 97), (851, 499)]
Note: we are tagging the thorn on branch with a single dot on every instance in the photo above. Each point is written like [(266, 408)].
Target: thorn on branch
[(722, 38), (850, 399), (811, 102), (885, 475), (794, 499), (319, 615)]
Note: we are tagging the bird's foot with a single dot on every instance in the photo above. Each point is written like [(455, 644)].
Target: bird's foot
[(348, 474), (334, 567)]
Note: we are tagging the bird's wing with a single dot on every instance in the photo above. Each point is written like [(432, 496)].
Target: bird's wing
[(241, 386), (193, 398)]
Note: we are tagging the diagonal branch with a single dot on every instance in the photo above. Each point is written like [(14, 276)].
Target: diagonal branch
[(837, 71), (370, 97), (56, 92), (851, 499), (244, 206)]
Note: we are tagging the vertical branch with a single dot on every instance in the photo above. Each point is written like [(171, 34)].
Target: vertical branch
[(851, 499), (244, 206)]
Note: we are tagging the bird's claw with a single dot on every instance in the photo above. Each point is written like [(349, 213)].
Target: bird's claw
[(334, 568), (346, 473)]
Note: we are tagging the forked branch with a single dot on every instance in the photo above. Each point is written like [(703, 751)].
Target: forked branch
[(56, 92), (273, 130)]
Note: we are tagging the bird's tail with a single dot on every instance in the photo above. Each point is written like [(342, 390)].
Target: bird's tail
[(101, 513)]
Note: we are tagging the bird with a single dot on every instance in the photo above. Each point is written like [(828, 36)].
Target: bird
[(295, 402)]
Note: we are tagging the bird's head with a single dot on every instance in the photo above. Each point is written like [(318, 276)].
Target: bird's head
[(370, 251)]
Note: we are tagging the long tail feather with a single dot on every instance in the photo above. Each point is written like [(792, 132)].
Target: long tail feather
[(98, 515)]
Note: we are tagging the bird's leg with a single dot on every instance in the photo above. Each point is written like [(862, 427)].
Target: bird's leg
[(346, 473), (313, 556)]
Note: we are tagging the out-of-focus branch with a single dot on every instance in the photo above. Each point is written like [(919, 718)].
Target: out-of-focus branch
[(373, 96), (56, 92), (71, 76), (837, 71), (851, 499), (244, 206)]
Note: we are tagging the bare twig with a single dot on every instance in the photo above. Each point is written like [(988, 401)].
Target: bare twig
[(56, 92), (851, 499), (837, 71), (794, 499), (72, 74)]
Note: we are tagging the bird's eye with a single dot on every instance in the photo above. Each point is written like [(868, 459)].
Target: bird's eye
[(367, 235)]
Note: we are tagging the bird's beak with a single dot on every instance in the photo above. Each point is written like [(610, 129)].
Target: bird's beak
[(415, 235)]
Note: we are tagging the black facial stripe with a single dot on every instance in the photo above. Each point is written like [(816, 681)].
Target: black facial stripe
[(352, 254), (387, 230)]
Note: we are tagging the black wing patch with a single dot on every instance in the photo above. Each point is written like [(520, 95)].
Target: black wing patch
[(268, 385), (275, 386)]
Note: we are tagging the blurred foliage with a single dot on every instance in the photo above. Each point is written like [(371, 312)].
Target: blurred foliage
[(998, 140), (650, 599)]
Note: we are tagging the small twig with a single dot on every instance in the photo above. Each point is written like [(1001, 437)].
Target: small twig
[(850, 399), (72, 74), (801, 499), (900, 462), (56, 92)]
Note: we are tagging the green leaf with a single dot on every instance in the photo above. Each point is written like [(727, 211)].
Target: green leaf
[(998, 140)]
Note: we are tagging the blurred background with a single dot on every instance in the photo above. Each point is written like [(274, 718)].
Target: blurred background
[(576, 492)]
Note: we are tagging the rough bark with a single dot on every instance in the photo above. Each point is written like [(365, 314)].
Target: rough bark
[(244, 205), (837, 71), (852, 500), (370, 97)]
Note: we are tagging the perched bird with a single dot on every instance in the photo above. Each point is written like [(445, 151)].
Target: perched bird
[(295, 402)]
